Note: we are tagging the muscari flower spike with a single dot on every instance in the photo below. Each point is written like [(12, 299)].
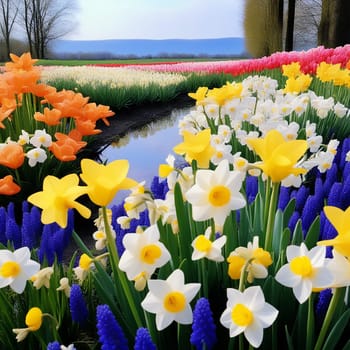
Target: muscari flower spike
[(143, 340), (77, 305), (110, 333), (203, 326)]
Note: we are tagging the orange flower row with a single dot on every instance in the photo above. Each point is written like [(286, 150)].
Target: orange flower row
[(22, 77)]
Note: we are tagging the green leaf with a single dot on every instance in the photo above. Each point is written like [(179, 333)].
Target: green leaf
[(289, 339), (298, 234), (337, 331), (313, 234)]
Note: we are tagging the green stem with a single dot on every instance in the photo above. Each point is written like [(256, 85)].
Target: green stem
[(310, 323), (337, 297), (271, 216), (114, 258)]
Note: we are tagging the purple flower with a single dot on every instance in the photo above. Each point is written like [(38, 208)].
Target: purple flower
[(143, 340), (322, 304), (54, 346), (251, 188), (13, 232), (284, 197), (77, 305), (300, 198), (203, 326), (110, 334), (159, 188)]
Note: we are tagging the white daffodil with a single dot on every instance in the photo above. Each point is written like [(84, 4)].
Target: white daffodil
[(36, 155), (222, 152), (64, 286), (143, 253), (16, 268), (42, 277), (41, 138), (101, 239), (170, 299), (248, 313), (204, 247), (23, 138), (340, 268), (305, 270), (85, 265), (216, 193)]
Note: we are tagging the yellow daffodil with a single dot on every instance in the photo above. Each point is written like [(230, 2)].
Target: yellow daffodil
[(279, 157), (226, 93), (199, 95), (33, 322), (341, 221), (196, 147), (291, 70), (104, 181), (298, 84), (57, 197)]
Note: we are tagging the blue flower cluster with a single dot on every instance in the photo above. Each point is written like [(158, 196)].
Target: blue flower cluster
[(25, 229)]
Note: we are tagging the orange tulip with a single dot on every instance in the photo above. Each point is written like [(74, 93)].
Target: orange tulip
[(11, 155), (49, 117), (8, 187), (86, 127), (4, 114), (23, 62), (66, 147), (95, 112), (68, 102)]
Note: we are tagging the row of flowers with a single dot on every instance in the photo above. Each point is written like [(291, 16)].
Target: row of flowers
[(234, 215), (309, 60)]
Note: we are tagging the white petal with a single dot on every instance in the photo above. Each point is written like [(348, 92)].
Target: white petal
[(22, 254), (152, 304), (286, 277), (18, 285), (196, 255), (5, 282), (159, 288), (254, 334), (152, 234), (226, 318), (6, 255), (176, 280), (203, 178), (254, 298), (235, 330), (196, 196), (317, 256), (131, 241), (267, 315), (322, 278), (303, 290), (30, 268), (163, 320), (190, 290), (201, 213), (292, 252), (184, 317)]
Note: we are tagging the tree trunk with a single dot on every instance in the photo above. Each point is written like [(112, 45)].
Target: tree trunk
[(290, 26), (334, 27)]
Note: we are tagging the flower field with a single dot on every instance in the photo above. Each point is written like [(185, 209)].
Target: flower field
[(240, 241)]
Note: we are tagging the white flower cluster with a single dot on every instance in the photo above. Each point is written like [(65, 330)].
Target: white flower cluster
[(113, 77)]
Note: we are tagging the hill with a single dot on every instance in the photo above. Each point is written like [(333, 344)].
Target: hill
[(119, 48)]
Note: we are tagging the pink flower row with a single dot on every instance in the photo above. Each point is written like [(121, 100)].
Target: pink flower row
[(308, 60)]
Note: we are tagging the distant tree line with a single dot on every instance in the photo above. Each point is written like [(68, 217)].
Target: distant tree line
[(39, 21), (284, 25)]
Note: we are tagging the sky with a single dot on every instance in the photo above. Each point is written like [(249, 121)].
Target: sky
[(157, 19)]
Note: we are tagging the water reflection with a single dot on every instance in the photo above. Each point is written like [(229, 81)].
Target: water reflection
[(147, 147)]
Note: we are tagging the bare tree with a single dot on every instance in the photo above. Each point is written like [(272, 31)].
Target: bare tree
[(45, 21), (8, 15)]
